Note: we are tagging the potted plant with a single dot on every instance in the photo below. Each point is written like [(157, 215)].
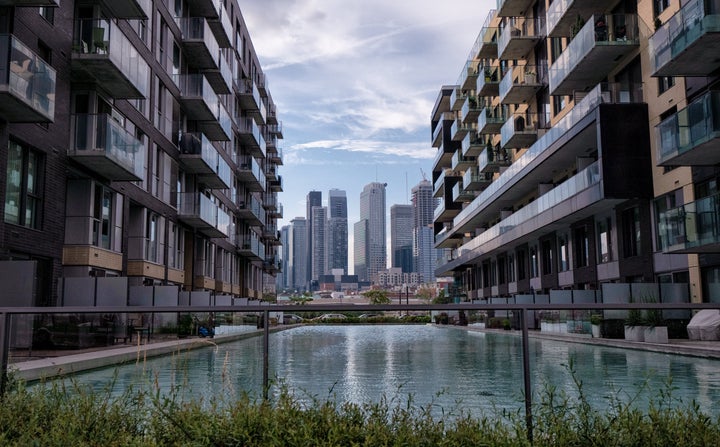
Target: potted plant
[(596, 321), (506, 324), (633, 326), (655, 330)]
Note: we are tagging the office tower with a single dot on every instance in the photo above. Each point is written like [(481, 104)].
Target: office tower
[(372, 209), (313, 199), (283, 281), (154, 162), (360, 249), (401, 237), (298, 258), (424, 251), (337, 234), (318, 243), (566, 151)]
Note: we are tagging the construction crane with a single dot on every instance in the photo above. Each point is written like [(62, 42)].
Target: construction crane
[(423, 174)]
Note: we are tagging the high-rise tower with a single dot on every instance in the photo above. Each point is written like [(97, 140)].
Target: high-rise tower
[(372, 209), (401, 237), (424, 252), (314, 198), (337, 232)]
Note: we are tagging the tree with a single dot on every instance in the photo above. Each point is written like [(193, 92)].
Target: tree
[(302, 299), (377, 296), (426, 293), (269, 297), (441, 298)]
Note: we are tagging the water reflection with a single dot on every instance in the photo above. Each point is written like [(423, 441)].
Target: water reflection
[(447, 367)]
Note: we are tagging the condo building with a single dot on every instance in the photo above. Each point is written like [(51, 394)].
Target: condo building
[(578, 149), (139, 144)]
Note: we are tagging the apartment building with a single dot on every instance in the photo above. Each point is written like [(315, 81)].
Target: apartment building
[(578, 148), (140, 146)]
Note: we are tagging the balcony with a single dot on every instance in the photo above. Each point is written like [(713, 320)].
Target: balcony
[(277, 185), (438, 134), (492, 159), (459, 129), (27, 84), (470, 110), (221, 26), (513, 8), (520, 36), (485, 46), (200, 157), (521, 83), (128, 9), (491, 120), (272, 265), (472, 144), (562, 15), (249, 96), (576, 194), (457, 98), (197, 97), (594, 52), (439, 183), (277, 213), (251, 137), (447, 209), (520, 131), (688, 43), (460, 194), (199, 212), (251, 247), (270, 201), (220, 128), (250, 173), (102, 145), (102, 54), (476, 181), (220, 78), (691, 228), (204, 8), (276, 129), (199, 44), (461, 162), (691, 137), (251, 211), (276, 157), (468, 75), (488, 85)]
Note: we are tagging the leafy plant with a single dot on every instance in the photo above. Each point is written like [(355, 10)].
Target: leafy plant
[(596, 319)]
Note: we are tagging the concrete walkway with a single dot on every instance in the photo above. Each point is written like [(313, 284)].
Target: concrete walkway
[(67, 364), (61, 365)]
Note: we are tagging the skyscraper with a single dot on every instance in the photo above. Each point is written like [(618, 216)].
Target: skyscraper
[(337, 233), (314, 198), (401, 237), (372, 209), (318, 242), (424, 251), (299, 257), (360, 246), (285, 274)]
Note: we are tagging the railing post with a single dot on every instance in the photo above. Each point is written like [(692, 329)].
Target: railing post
[(4, 346), (526, 374), (266, 348)]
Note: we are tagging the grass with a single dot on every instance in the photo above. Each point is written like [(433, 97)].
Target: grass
[(63, 413)]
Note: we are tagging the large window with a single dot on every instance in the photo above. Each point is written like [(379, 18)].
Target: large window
[(102, 217), (581, 243), (631, 232), (660, 6), (23, 196), (176, 252), (604, 241), (563, 254)]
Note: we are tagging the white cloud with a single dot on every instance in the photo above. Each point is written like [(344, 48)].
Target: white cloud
[(396, 149)]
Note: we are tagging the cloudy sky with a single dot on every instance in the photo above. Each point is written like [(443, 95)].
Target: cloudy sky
[(354, 82)]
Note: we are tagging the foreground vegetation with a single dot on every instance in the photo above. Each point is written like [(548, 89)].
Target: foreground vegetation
[(62, 414)]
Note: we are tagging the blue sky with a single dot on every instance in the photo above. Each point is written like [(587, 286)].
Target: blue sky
[(354, 82)]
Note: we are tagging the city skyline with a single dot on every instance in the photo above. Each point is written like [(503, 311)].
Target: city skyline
[(379, 64)]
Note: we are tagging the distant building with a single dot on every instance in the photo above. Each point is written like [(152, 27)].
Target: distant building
[(424, 251), (401, 237), (313, 199), (337, 231), (319, 241), (372, 210), (360, 248), (395, 277), (298, 256)]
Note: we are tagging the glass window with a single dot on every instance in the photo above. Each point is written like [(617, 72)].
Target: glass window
[(631, 232), (547, 258), (563, 256), (603, 232), (534, 268), (664, 83), (23, 196), (102, 217), (151, 236), (582, 247), (660, 6), (47, 13)]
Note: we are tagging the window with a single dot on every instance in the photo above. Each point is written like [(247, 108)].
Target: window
[(664, 83), (604, 241), (176, 252), (102, 217), (547, 258), (582, 247), (660, 6), (511, 268), (47, 13), (631, 232), (23, 199), (521, 265), (670, 224), (534, 267), (563, 256), (151, 238)]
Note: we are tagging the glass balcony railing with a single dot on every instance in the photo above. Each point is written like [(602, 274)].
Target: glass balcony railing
[(195, 205), (249, 95), (193, 87), (96, 40), (491, 159), (472, 144), (520, 130), (485, 46), (584, 179), (686, 45), (594, 52), (491, 120), (602, 93), (456, 99), (460, 161), (690, 226), (468, 75), (520, 83), (29, 82), (692, 135), (519, 36), (196, 32), (196, 143), (102, 144), (250, 164), (224, 222)]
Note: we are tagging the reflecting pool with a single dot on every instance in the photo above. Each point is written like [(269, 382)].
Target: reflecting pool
[(447, 367)]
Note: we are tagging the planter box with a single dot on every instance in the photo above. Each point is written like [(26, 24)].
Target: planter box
[(634, 333), (657, 334), (596, 331)]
